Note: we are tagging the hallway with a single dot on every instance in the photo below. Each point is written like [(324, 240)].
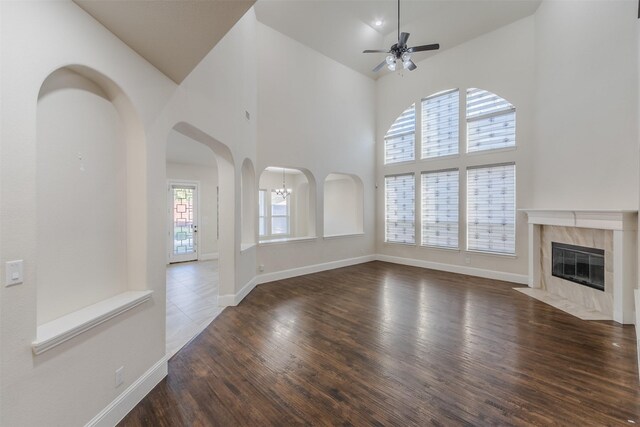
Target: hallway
[(192, 301)]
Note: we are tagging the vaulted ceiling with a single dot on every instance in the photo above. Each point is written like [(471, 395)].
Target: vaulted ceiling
[(176, 35), (173, 35), (342, 29)]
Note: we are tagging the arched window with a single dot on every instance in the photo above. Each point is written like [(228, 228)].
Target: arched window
[(491, 121), (399, 142), (488, 182)]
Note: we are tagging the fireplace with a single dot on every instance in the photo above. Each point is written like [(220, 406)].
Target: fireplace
[(579, 264)]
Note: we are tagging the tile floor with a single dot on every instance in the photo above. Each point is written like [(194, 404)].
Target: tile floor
[(192, 301)]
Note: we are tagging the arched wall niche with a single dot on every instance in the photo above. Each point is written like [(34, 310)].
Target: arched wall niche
[(248, 203), (90, 192), (343, 205), (226, 218), (299, 208)]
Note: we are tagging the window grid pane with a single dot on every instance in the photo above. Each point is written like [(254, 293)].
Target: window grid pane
[(440, 209), (491, 213), (262, 212), (399, 142), (279, 214), (491, 121), (440, 134), (400, 209)]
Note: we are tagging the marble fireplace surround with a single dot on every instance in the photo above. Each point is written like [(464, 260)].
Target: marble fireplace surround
[(613, 231)]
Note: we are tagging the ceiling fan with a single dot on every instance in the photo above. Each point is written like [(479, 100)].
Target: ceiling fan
[(401, 52)]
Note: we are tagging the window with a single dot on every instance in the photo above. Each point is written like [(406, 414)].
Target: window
[(399, 142), (279, 214), (440, 124), (440, 209), (400, 208), (491, 213), (491, 121), (262, 212)]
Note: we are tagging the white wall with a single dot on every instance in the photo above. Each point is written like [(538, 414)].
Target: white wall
[(70, 384), (342, 205), (501, 62), (586, 142), (207, 177), (318, 115), (81, 196)]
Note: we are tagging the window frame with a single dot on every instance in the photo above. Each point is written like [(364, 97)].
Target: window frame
[(422, 212), (386, 240), (515, 210)]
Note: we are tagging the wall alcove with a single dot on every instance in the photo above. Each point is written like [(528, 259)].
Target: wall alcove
[(291, 217), (90, 198), (343, 205)]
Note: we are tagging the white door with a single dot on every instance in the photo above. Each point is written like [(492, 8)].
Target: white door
[(183, 222)]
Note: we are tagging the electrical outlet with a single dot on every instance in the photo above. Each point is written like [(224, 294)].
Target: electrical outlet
[(119, 376), (13, 273), (261, 268)]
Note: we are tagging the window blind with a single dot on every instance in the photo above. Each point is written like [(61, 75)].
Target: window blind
[(491, 210), (491, 121), (400, 208), (262, 212), (279, 214), (440, 209), (399, 142), (440, 124)]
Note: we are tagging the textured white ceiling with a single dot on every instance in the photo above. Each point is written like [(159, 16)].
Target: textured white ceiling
[(172, 35), (342, 29)]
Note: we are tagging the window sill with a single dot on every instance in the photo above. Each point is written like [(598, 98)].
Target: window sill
[(73, 324), (491, 151), (286, 240), (246, 246), (338, 236), (400, 244), (492, 254), (438, 248)]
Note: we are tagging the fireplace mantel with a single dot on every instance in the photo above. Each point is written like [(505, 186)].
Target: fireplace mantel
[(601, 219), (623, 224)]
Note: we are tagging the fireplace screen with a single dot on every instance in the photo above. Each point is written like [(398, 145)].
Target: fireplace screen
[(579, 264)]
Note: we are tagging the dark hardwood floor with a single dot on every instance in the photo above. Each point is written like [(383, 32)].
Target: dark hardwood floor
[(383, 344)]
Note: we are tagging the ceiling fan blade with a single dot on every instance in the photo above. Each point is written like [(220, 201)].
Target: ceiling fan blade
[(422, 48), (412, 66), (375, 51), (379, 66), (403, 39)]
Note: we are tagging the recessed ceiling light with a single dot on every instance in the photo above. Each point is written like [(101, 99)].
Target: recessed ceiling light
[(378, 23)]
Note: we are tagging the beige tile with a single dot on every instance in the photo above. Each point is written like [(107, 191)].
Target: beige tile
[(192, 301)]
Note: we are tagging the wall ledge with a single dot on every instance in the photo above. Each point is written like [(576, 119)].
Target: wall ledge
[(73, 324)]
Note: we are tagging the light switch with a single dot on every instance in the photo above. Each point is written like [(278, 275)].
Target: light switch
[(13, 273)]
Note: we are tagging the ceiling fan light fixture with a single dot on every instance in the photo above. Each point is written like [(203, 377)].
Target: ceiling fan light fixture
[(390, 60), (406, 64), (392, 66), (406, 57)]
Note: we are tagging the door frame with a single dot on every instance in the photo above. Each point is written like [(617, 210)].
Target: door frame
[(196, 218)]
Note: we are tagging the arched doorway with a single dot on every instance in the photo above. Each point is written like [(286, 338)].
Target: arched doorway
[(200, 223)]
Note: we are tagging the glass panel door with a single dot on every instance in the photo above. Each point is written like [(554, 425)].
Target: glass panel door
[(183, 219)]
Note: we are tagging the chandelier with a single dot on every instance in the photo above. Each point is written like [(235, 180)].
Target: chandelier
[(282, 192)]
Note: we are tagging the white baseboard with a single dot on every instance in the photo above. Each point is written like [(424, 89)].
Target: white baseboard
[(123, 404), (308, 269), (233, 300), (471, 271), (208, 257)]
